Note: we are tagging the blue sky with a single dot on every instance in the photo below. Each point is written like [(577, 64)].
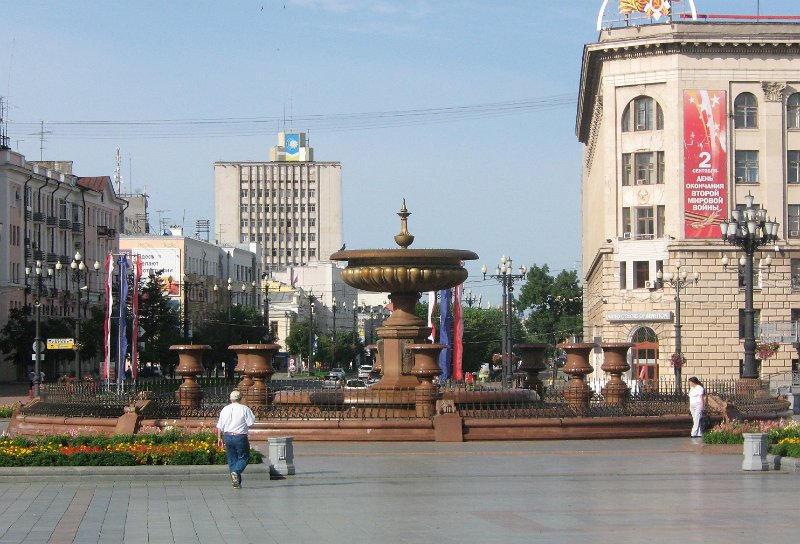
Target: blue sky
[(496, 184)]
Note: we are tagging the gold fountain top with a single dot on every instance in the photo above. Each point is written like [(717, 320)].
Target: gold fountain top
[(404, 269)]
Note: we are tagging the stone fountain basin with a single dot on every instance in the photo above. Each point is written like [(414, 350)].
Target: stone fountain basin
[(404, 270)]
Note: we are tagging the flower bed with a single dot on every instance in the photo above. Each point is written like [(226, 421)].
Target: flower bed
[(7, 410), (783, 435), (169, 448)]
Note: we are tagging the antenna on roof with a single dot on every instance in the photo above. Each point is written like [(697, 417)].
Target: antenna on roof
[(118, 173), (3, 124)]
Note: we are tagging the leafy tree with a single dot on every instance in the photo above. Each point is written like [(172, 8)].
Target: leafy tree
[(556, 308), (225, 328), (161, 323), (16, 338)]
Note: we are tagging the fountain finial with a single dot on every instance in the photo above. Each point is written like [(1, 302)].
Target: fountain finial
[(404, 239)]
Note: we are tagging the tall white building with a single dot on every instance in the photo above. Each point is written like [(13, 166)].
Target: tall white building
[(291, 205)]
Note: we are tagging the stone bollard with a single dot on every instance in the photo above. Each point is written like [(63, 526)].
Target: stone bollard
[(755, 451), (281, 455)]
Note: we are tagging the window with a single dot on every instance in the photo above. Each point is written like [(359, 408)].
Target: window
[(623, 275), (627, 169), (793, 111), (645, 225), (745, 109), (312, 207), (641, 274), (747, 167), (626, 222), (642, 114), (756, 323), (794, 221), (793, 167), (756, 277), (644, 168), (795, 274)]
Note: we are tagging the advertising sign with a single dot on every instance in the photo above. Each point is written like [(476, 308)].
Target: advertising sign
[(166, 259), (705, 156), (293, 147)]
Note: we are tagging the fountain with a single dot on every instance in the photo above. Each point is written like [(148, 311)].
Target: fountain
[(404, 273)]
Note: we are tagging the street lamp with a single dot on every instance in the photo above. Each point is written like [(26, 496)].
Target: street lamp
[(38, 345), (749, 229), (270, 336), (505, 276), (471, 299), (680, 280), (333, 309), (311, 300)]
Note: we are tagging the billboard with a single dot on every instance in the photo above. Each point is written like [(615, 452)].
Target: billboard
[(166, 259), (293, 147), (705, 158)]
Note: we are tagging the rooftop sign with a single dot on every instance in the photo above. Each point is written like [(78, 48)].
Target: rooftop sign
[(651, 9)]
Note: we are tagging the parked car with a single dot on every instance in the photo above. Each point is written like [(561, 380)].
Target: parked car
[(338, 371), (364, 370), (374, 377), (331, 381), (355, 384)]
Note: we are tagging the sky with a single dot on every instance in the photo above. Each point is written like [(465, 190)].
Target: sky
[(464, 108)]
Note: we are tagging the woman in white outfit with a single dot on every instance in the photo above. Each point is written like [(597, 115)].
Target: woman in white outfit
[(697, 405)]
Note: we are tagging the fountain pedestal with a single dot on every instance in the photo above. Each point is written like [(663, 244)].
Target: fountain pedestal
[(189, 394), (401, 330), (257, 371), (577, 366), (615, 362)]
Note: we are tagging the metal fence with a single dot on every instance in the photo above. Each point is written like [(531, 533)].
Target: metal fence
[(308, 400)]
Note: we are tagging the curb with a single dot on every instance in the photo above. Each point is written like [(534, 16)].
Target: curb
[(259, 471)]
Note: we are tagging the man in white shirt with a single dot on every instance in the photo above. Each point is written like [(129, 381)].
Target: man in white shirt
[(234, 420)]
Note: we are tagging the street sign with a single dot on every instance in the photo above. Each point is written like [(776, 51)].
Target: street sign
[(38, 346), (60, 343)]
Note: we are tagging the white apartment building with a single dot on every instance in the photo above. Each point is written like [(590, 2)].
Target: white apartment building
[(291, 205)]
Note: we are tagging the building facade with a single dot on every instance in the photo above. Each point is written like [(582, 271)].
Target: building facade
[(679, 122), (290, 205), (51, 217)]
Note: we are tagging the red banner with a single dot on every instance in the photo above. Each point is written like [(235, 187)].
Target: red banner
[(705, 156)]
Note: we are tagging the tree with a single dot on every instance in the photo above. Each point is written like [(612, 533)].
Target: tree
[(161, 323), (555, 303), (225, 328), (16, 338)]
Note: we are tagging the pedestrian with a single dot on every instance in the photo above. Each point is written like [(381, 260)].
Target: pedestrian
[(697, 405), (232, 426)]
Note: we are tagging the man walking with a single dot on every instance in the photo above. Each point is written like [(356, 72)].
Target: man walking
[(232, 426)]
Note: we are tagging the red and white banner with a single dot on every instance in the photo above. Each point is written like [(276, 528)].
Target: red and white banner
[(458, 334), (705, 156), (105, 369)]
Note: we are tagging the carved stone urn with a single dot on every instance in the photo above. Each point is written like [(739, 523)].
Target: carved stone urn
[(615, 363), (532, 364), (190, 357), (577, 366), (257, 371)]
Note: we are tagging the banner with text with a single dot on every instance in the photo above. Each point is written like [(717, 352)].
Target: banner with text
[(705, 156)]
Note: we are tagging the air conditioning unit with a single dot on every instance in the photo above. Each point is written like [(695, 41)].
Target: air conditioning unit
[(626, 235), (739, 179), (794, 234), (649, 284), (641, 182)]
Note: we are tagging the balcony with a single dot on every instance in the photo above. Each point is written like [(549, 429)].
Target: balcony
[(52, 257), (38, 217), (38, 255), (65, 224), (77, 226), (52, 220)]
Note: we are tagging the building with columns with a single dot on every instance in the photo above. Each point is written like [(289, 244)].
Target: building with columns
[(680, 120)]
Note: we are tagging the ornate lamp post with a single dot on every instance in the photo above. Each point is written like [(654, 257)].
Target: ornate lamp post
[(749, 229), (471, 299), (311, 301), (679, 281), (505, 276), (333, 336), (38, 345)]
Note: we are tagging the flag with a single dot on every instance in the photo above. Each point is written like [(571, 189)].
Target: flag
[(122, 326), (458, 333), (431, 308), (445, 320), (105, 371), (137, 274)]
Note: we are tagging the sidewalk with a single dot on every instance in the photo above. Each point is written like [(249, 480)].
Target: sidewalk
[(12, 393), (605, 491)]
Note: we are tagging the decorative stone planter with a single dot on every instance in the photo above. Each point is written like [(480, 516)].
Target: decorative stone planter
[(257, 371), (426, 368), (532, 364), (190, 357), (578, 393), (615, 362)]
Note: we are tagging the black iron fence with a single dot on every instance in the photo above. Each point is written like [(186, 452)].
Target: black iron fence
[(309, 400)]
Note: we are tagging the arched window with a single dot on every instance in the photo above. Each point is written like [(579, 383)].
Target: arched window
[(642, 114), (645, 357), (793, 111), (745, 111)]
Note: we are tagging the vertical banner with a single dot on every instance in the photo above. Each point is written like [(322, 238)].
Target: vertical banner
[(137, 275), (105, 373), (444, 332), (705, 158), (122, 324), (431, 308), (458, 333)]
